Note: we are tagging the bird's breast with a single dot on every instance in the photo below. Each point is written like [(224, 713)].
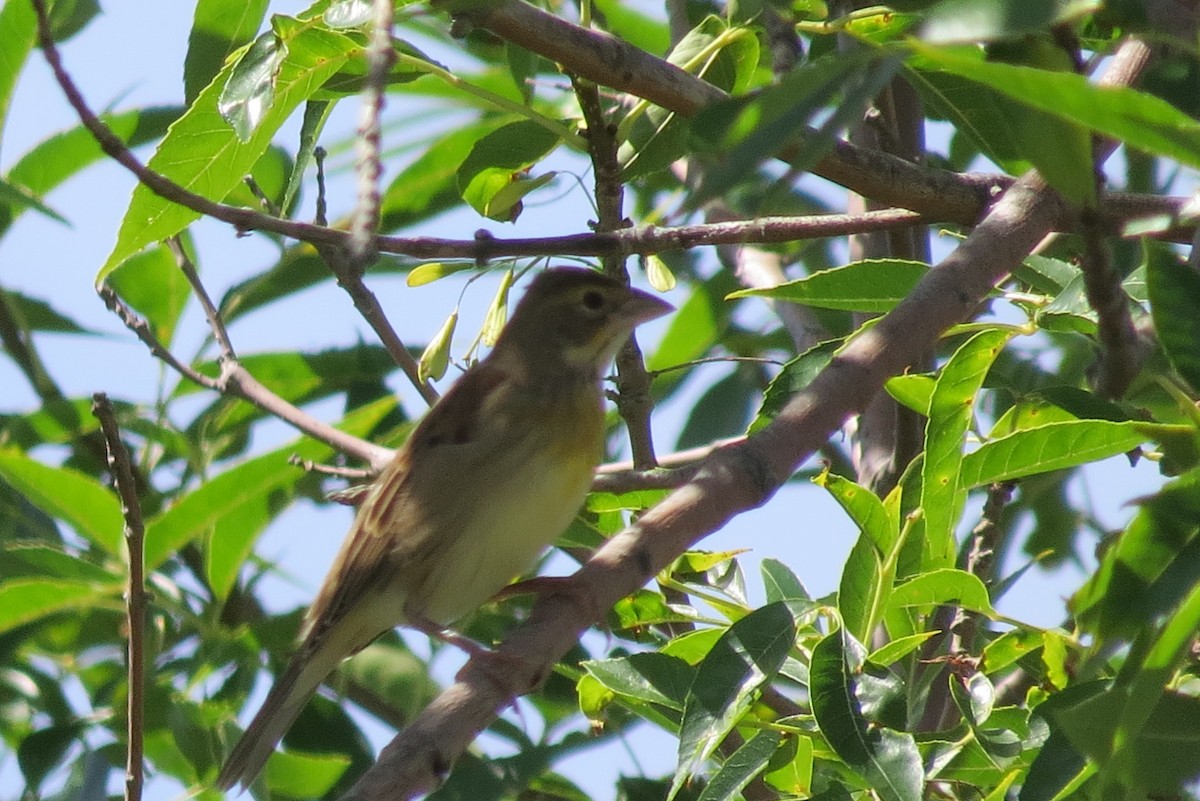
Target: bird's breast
[(538, 480)]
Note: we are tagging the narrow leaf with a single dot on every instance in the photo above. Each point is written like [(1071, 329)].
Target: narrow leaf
[(73, 497), (1054, 446), (202, 153), (746, 656), (951, 409), (870, 285), (1174, 290)]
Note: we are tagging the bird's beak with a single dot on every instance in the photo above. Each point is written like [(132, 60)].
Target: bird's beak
[(641, 307)]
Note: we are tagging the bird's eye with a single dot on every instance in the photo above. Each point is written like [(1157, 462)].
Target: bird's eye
[(593, 300)]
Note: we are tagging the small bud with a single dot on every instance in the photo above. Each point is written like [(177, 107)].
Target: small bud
[(659, 274), (497, 315), (436, 357)]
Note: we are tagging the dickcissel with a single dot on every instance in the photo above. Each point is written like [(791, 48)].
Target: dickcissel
[(487, 480)]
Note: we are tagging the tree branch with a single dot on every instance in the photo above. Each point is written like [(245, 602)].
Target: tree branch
[(632, 397), (121, 468), (235, 381)]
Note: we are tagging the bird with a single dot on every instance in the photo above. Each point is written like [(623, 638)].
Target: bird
[(487, 480)]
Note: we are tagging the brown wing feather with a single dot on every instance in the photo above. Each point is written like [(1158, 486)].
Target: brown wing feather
[(372, 549)]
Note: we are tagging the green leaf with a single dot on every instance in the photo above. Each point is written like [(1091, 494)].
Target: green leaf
[(152, 283), (792, 379), (17, 199), (640, 30), (432, 271), (201, 510), (1174, 290), (491, 170), (943, 586), (781, 583), (24, 600), (348, 13), (299, 268), (77, 499), (69, 17), (722, 55), (871, 567), (1055, 446), (723, 410), (38, 315), (1146, 691), (316, 114), (888, 759), (645, 608), (234, 507), (658, 273), (951, 409), (18, 31), (747, 655), (249, 90), (1057, 768), (741, 767), (203, 154), (1140, 120), (1151, 567), (1008, 648), (870, 285), (1011, 132), (1158, 760), (743, 132), (43, 751), (791, 768), (913, 390), (436, 358), (970, 21), (291, 774), (63, 155), (651, 678), (30, 560), (391, 671), (219, 27), (693, 328), (429, 185), (899, 648)]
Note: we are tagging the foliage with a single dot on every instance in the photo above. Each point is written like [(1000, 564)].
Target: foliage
[(907, 681)]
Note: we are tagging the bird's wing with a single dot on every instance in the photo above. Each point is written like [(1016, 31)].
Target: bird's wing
[(392, 530)]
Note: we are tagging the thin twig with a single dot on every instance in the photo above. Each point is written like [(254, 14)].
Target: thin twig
[(309, 466), (135, 592), (364, 222), (268, 205), (633, 400), (141, 329), (349, 275), (237, 382), (1120, 357), (215, 323)]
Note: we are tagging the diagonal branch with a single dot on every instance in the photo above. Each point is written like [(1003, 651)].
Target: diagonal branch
[(236, 382)]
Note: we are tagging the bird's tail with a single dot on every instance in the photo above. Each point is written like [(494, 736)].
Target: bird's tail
[(283, 705)]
